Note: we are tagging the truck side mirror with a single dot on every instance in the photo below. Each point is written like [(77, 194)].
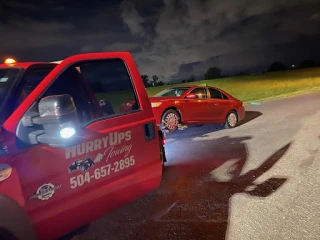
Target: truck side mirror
[(58, 116)]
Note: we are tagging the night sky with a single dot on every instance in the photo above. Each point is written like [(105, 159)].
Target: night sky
[(169, 38)]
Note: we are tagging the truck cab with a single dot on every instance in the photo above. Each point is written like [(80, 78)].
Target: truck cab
[(69, 151)]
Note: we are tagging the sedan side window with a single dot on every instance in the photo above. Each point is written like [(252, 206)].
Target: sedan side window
[(199, 92), (216, 94)]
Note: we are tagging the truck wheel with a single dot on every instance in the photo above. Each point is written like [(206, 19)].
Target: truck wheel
[(231, 120), (162, 155), (6, 235), (171, 120), (14, 221)]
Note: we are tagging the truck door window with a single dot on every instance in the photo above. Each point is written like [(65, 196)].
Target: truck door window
[(112, 86), (99, 88), (70, 82)]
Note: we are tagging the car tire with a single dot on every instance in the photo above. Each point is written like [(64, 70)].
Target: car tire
[(162, 155), (171, 120), (231, 120), (6, 235)]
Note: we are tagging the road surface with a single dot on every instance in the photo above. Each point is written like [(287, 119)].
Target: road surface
[(257, 181)]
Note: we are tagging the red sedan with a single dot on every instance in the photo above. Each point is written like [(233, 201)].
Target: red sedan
[(196, 105)]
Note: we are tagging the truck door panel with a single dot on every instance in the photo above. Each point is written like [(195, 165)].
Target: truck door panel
[(115, 161)]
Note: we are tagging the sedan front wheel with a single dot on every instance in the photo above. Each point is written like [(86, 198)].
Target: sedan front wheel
[(171, 120)]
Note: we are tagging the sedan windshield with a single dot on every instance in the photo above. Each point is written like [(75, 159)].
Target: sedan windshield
[(172, 92)]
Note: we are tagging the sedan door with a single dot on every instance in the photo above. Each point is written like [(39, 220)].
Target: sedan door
[(219, 106), (195, 110)]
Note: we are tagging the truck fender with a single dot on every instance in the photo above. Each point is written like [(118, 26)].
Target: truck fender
[(14, 219)]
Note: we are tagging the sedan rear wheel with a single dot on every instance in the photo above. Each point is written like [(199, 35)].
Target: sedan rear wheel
[(231, 120)]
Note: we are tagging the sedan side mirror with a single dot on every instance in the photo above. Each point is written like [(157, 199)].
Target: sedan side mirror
[(191, 96), (58, 116)]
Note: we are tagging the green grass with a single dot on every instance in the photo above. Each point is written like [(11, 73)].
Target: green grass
[(246, 88), (263, 86)]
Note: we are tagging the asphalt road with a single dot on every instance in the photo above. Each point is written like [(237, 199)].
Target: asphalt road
[(257, 181)]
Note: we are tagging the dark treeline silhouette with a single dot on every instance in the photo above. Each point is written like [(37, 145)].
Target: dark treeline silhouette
[(151, 83), (215, 72), (277, 66)]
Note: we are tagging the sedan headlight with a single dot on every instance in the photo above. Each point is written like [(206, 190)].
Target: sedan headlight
[(156, 104)]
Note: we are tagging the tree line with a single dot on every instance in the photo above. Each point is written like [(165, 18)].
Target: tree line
[(278, 66), (215, 73), (154, 82)]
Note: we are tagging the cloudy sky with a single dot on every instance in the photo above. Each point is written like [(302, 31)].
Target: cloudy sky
[(169, 38)]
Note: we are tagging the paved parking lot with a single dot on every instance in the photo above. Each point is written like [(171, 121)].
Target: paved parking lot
[(257, 181)]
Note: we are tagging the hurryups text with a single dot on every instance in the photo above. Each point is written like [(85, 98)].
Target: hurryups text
[(97, 144)]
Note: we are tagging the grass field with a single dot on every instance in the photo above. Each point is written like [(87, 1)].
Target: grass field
[(263, 86)]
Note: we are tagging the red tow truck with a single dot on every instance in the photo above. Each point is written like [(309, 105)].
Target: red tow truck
[(69, 151)]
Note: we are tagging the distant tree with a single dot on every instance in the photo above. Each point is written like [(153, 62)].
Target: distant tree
[(277, 66), (145, 79), (241, 74), (155, 80), (212, 73), (308, 64), (160, 83), (191, 79)]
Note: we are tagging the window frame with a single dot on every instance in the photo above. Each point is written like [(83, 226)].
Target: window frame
[(30, 69), (74, 65), (187, 89), (206, 90), (5, 113)]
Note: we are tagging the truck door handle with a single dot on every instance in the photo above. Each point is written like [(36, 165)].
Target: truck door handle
[(149, 131)]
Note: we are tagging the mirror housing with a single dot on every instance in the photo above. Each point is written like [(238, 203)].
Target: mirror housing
[(58, 116), (191, 96)]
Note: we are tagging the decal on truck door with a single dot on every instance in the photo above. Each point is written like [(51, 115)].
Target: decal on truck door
[(81, 164), (112, 139), (115, 145), (101, 172), (45, 191)]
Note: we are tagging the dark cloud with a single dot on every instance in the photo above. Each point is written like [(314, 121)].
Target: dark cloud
[(163, 35), (68, 29)]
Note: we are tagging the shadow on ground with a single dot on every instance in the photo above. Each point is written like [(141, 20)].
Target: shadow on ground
[(250, 115), (193, 199)]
